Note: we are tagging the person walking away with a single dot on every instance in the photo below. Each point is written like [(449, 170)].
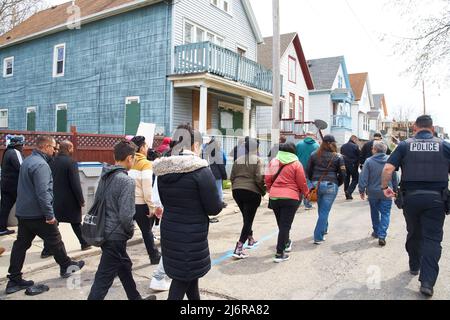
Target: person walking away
[(352, 156), (11, 162), (366, 151), (425, 164), (142, 174), (326, 169), (189, 195), (304, 149), (247, 181), (286, 184), (36, 216), (119, 192), (68, 196), (217, 162), (274, 150), (370, 183)]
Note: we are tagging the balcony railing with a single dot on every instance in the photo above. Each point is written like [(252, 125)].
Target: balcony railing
[(208, 57), (287, 125), (341, 122)]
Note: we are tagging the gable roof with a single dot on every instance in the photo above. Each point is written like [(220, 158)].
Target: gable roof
[(358, 82), (379, 101), (265, 54), (324, 71), (56, 18)]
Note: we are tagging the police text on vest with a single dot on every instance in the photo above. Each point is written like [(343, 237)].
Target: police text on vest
[(424, 147)]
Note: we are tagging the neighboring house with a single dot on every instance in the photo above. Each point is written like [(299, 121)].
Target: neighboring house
[(297, 81), (362, 107), (379, 113), (163, 62), (332, 98)]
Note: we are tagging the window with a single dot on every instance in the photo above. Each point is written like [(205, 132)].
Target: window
[(301, 109), (292, 69), (290, 114), (59, 57), (194, 33), (241, 51), (340, 82), (8, 67), (31, 119), (61, 118), (3, 118), (224, 5)]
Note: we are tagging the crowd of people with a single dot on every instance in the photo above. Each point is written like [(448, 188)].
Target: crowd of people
[(180, 184)]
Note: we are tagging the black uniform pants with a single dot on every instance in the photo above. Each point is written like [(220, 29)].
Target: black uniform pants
[(353, 176), (114, 262), (7, 202), (425, 219), (146, 224), (248, 203), (285, 211), (178, 289), (76, 227), (28, 230)]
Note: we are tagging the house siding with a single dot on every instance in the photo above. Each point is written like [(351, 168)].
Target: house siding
[(106, 61), (182, 98), (218, 22)]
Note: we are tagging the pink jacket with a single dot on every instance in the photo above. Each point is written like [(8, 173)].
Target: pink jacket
[(290, 183)]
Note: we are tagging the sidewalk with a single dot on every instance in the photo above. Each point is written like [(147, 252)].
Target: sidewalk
[(34, 262)]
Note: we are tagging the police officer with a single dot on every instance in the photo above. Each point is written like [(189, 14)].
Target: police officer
[(425, 164)]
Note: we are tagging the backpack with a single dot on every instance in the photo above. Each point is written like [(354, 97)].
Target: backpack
[(93, 228)]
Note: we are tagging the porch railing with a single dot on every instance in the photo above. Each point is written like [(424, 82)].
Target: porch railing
[(208, 57), (341, 121)]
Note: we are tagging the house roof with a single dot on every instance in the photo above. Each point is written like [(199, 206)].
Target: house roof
[(265, 54), (57, 18), (379, 101), (324, 71), (358, 82)]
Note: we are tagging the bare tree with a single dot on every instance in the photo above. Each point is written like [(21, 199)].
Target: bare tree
[(427, 48), (13, 12)]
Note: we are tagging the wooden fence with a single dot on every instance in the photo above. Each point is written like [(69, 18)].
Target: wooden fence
[(88, 147)]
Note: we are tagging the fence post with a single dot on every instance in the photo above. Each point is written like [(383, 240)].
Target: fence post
[(73, 131)]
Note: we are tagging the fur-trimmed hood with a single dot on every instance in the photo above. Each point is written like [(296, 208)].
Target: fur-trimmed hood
[(178, 164)]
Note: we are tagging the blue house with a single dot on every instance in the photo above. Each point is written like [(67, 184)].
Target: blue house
[(107, 65)]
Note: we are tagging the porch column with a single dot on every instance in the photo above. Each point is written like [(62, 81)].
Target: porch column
[(247, 109), (203, 110)]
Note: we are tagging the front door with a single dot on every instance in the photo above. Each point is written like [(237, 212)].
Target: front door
[(196, 110), (132, 116), (31, 119)]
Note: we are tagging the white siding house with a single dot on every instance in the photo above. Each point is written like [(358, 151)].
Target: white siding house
[(362, 106)]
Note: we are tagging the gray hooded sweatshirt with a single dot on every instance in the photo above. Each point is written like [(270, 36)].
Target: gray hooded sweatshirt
[(370, 178), (120, 207)]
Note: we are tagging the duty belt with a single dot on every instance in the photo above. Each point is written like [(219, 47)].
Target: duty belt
[(420, 192)]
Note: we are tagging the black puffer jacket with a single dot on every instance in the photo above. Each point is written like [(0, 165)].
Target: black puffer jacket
[(10, 170), (189, 195)]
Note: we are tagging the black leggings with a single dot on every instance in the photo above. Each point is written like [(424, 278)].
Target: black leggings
[(146, 224), (178, 289), (248, 203), (285, 211)]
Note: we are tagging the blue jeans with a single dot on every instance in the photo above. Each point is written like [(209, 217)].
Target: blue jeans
[(220, 189), (327, 193), (381, 215)]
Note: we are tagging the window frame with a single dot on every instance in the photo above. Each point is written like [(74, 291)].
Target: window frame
[(221, 5), (59, 106), (301, 106), (7, 118), (288, 115), (5, 60), (243, 49), (205, 34), (290, 59), (29, 110), (131, 99), (55, 60)]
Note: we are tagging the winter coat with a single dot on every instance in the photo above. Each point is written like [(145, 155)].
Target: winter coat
[(142, 173), (68, 196), (248, 176), (35, 188), (304, 150), (317, 168), (11, 162), (371, 175), (351, 153), (120, 207), (216, 159), (291, 182), (188, 193)]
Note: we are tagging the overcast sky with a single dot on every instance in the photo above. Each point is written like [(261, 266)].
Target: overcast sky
[(353, 28)]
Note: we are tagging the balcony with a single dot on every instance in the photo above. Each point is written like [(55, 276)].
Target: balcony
[(342, 95), (341, 121), (206, 57)]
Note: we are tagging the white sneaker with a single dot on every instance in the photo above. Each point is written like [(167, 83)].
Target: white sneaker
[(160, 285)]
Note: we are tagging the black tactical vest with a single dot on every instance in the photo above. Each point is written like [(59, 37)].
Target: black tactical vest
[(425, 161)]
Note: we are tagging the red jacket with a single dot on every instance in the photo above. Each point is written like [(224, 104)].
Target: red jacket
[(290, 183)]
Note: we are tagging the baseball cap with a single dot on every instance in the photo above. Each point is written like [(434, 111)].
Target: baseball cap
[(329, 138)]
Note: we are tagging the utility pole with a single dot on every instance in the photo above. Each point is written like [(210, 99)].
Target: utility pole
[(276, 73), (424, 98)]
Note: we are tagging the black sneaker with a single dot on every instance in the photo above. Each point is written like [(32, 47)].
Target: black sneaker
[(348, 196), (46, 254), (86, 247), (154, 259), (382, 242), (74, 267), (427, 290), (18, 285), (224, 205), (414, 272), (281, 258), (6, 232)]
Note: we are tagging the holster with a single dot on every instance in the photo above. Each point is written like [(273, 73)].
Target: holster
[(400, 199)]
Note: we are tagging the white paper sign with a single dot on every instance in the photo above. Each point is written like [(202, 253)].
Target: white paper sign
[(147, 130)]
